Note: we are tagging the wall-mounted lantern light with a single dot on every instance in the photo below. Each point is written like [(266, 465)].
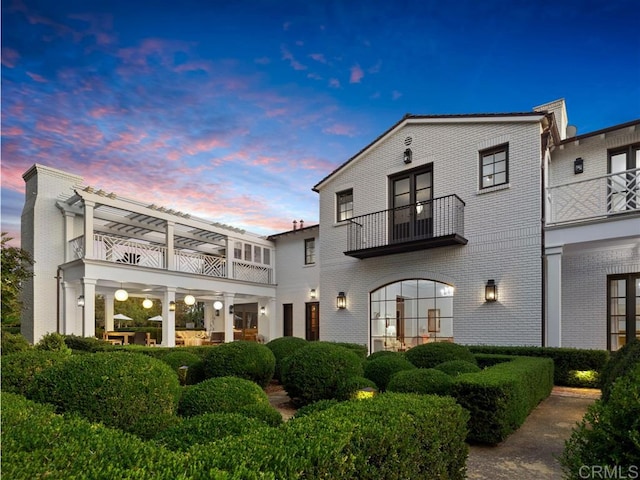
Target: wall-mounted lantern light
[(407, 157), (312, 293), (341, 301), (81, 301), (172, 306), (578, 165), (231, 309), (263, 310), (491, 291)]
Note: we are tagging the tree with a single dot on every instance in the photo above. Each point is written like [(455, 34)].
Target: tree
[(16, 267)]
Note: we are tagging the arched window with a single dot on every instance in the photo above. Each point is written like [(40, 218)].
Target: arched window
[(409, 313)]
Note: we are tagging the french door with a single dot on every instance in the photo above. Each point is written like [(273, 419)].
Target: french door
[(623, 309), (411, 205), (312, 321), (624, 181)]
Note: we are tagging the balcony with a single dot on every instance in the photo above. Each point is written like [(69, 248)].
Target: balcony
[(596, 198), (131, 253), (419, 226)]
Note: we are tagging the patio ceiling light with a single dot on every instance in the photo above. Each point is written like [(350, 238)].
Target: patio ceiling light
[(121, 294), (189, 300), (147, 303)]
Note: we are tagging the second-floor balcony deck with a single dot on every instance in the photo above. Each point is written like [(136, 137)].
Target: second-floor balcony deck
[(430, 224), (603, 197), (127, 252)]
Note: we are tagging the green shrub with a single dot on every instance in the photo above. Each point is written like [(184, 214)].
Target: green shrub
[(53, 342), (318, 371), (420, 380), (349, 388), (13, 342), (248, 360), (207, 428), (428, 355), (501, 397), (318, 406), (456, 367), (573, 367), (621, 362), (135, 393), (177, 360), (609, 433), (20, 368), (383, 353), (357, 348), (283, 347), (263, 412), (220, 395), (86, 344), (380, 369), (490, 359), (37, 443)]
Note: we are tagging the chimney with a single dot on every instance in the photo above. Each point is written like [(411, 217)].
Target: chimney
[(301, 223), (295, 224)]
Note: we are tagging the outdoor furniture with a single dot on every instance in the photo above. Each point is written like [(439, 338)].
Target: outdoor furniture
[(143, 338), (190, 338), (122, 337)]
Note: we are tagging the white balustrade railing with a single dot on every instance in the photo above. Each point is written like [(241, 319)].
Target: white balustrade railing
[(118, 250), (595, 198)]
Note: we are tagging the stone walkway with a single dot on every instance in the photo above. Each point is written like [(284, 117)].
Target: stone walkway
[(527, 454)]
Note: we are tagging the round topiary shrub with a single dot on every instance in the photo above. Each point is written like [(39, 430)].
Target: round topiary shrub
[(207, 428), (383, 353), (318, 406), (380, 369), (429, 355), (620, 363), (248, 360), (457, 367), (265, 413), (177, 360), (86, 344), (422, 381), (350, 388), (53, 342), (13, 342), (132, 392), (221, 395), (283, 347), (20, 368), (318, 371)]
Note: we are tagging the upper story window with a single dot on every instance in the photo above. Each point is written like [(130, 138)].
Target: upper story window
[(494, 166), (345, 205), (310, 251), (237, 250)]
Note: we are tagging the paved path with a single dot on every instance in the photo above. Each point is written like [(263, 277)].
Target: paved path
[(527, 454)]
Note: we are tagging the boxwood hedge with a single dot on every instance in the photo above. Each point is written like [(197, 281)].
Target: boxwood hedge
[(249, 360), (20, 368), (381, 369), (421, 380), (428, 355), (282, 347)]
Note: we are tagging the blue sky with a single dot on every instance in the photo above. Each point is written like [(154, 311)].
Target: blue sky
[(233, 110)]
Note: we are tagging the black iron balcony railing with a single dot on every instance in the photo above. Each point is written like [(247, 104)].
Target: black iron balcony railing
[(429, 224)]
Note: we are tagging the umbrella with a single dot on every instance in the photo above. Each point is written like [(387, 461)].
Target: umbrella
[(121, 316), (157, 318)]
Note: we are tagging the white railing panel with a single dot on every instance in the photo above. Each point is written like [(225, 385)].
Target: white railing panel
[(118, 250), (201, 264), (248, 272)]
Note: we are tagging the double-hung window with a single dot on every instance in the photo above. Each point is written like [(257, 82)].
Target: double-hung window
[(344, 202), (494, 166), (310, 251)]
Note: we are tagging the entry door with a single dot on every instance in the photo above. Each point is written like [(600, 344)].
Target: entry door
[(312, 321), (623, 309), (411, 205), (624, 188)]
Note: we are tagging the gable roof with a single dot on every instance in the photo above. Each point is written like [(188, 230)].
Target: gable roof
[(439, 119)]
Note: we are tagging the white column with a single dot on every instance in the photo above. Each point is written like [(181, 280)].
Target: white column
[(230, 258), (89, 316), (70, 310), (168, 319), (228, 317), (109, 311), (209, 313), (68, 235), (271, 312), (88, 228), (553, 296), (171, 264)]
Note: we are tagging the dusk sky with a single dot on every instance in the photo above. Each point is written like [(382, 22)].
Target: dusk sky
[(233, 110)]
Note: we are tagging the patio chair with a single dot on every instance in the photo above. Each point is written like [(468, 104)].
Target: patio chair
[(143, 338)]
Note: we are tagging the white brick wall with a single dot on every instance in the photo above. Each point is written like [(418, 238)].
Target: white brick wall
[(503, 228)]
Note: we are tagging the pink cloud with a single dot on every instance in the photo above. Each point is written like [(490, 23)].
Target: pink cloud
[(356, 74), (318, 57), (287, 55), (37, 78), (12, 131), (341, 129), (334, 83), (205, 145), (10, 57)]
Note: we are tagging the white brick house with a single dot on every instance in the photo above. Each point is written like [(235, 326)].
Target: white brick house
[(414, 230)]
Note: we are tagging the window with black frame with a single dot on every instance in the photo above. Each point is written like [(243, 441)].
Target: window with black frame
[(344, 201), (494, 166)]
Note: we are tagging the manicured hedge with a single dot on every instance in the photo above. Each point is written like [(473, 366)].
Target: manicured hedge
[(132, 392), (86, 344), (381, 369), (177, 360), (243, 359), (20, 368), (501, 397), (13, 342), (421, 380), (318, 371), (282, 347), (53, 342), (456, 367), (428, 355), (621, 363), (573, 367)]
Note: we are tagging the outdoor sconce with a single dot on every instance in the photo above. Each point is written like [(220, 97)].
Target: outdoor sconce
[(217, 305), (231, 309), (491, 291), (81, 301), (578, 165), (312, 293), (407, 155), (263, 310), (172, 306), (341, 301)]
